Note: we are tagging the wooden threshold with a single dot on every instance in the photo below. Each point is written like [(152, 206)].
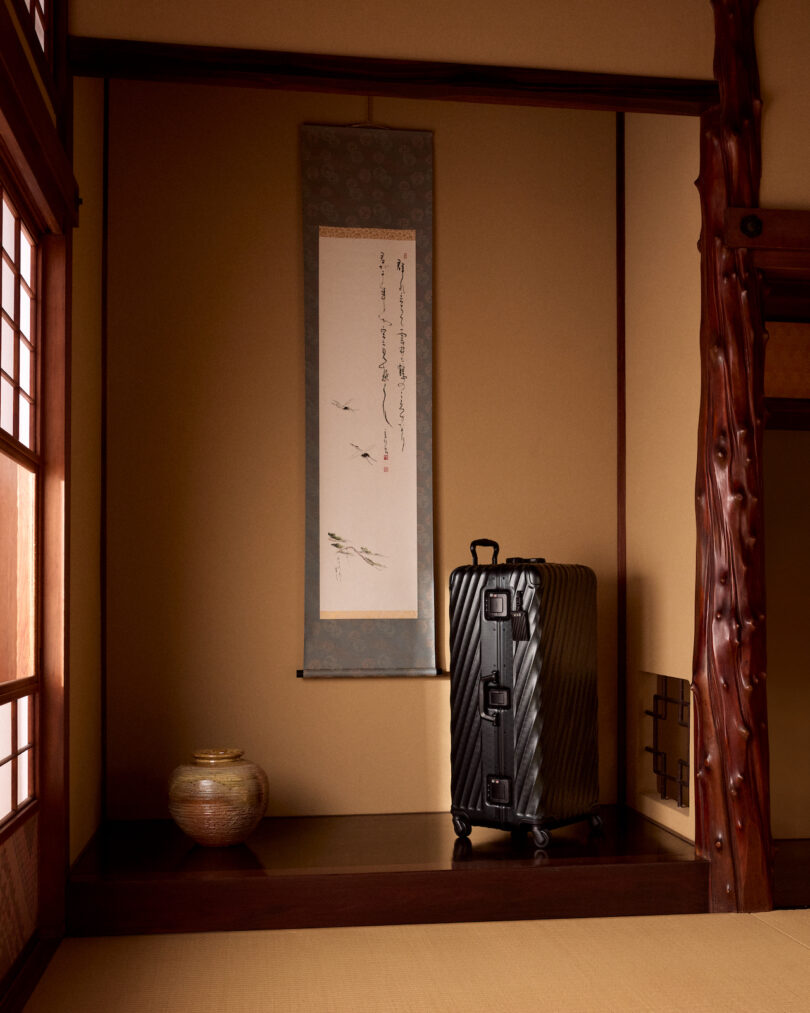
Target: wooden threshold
[(146, 876)]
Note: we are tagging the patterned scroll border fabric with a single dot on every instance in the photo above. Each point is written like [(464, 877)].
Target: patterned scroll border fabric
[(368, 178)]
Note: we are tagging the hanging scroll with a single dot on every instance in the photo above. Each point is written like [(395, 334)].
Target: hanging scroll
[(367, 208)]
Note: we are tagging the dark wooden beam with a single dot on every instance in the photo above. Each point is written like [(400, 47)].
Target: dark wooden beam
[(785, 298), (768, 229), (787, 413), (783, 263), (621, 466), (461, 82), (731, 729)]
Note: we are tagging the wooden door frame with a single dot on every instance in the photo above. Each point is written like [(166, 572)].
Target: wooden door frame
[(732, 805)]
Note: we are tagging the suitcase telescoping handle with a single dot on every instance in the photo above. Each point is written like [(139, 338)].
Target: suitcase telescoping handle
[(490, 544)]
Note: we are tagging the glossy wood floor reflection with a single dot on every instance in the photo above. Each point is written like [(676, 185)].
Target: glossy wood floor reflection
[(138, 877)]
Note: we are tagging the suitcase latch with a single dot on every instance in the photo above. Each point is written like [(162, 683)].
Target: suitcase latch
[(499, 791), (496, 605), (498, 698)]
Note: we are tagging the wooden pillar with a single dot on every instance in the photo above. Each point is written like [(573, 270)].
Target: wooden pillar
[(731, 730)]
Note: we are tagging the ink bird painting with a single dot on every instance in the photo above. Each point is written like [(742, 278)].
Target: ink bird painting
[(367, 423)]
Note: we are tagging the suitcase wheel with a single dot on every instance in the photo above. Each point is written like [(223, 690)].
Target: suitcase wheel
[(541, 838), (462, 826)]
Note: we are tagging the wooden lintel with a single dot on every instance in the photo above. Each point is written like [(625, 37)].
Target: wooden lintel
[(117, 58), (767, 229)]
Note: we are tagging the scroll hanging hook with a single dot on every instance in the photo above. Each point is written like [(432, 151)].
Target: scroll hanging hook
[(369, 123)]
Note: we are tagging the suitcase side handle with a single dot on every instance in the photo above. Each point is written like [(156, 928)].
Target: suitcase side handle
[(487, 542), (483, 686)]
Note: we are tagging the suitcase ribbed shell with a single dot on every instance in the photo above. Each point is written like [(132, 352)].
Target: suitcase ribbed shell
[(551, 754)]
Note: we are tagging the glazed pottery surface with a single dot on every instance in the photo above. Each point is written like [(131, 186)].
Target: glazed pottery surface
[(219, 798)]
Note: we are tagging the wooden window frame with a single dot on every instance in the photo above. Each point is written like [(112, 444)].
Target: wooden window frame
[(21, 811), (48, 60), (38, 175), (26, 12), (27, 454), (47, 685), (29, 457)]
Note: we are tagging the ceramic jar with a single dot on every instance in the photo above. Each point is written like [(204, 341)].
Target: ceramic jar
[(219, 798)]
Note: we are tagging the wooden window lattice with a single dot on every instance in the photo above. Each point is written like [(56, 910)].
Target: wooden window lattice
[(18, 359), (670, 739), (17, 755)]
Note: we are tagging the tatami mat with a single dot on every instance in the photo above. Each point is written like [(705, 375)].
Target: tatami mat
[(678, 963), (795, 924)]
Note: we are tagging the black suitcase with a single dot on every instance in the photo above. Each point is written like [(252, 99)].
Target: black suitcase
[(523, 695)]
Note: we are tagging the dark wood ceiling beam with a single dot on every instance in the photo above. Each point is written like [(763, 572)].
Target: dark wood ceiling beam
[(461, 82)]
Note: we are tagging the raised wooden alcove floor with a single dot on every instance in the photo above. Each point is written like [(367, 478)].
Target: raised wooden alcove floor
[(146, 876)]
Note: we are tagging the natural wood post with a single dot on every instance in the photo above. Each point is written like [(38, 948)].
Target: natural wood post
[(731, 729)]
